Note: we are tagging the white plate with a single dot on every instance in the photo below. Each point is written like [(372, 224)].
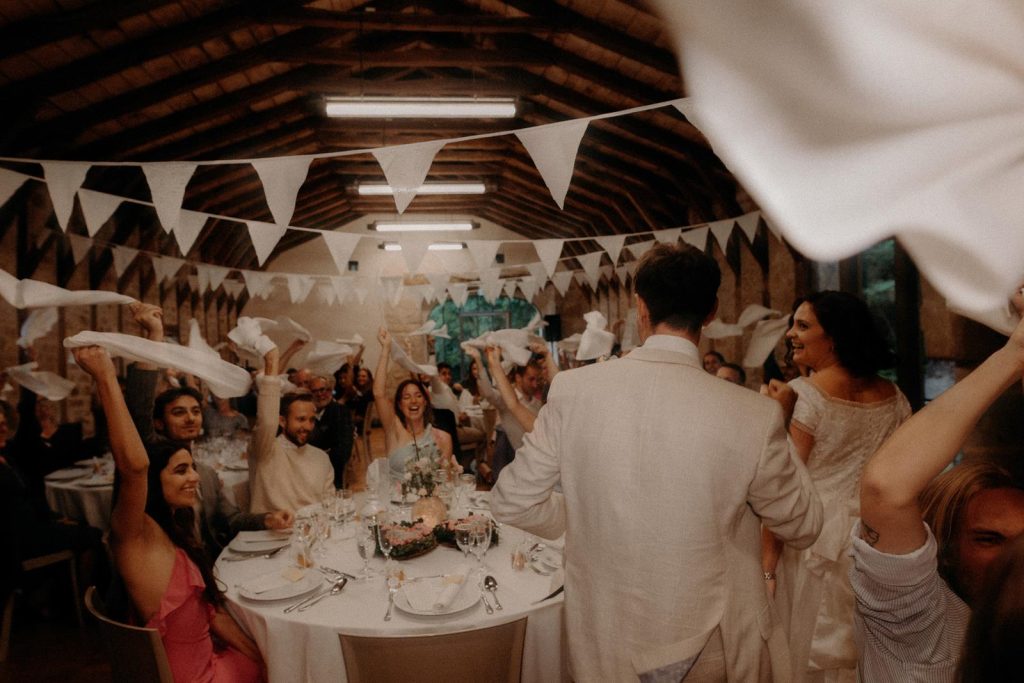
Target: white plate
[(248, 547), (97, 482), (307, 584), (548, 559), (467, 597), (88, 462), (70, 473)]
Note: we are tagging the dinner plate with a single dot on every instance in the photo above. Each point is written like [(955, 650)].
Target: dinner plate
[(70, 473), (467, 597), (548, 559), (307, 584), (241, 545)]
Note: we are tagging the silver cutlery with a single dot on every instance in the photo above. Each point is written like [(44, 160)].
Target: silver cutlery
[(491, 584), (336, 572), (483, 599), (335, 589), (316, 594), (239, 557), (391, 603), (548, 597)]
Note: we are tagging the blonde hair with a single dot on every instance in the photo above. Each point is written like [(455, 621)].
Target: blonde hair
[(944, 502)]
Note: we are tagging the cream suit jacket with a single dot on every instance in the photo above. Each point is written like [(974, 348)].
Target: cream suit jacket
[(667, 473)]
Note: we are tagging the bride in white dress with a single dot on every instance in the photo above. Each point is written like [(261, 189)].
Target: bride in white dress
[(843, 413)]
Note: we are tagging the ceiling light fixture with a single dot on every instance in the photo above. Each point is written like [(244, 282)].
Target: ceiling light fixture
[(421, 107), (436, 246), (379, 189), (391, 226)]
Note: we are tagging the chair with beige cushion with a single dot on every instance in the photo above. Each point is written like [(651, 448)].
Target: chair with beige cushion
[(136, 654), (491, 655)]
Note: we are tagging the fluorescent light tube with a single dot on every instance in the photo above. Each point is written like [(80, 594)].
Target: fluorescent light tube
[(421, 107), (436, 246), (392, 226), (378, 189)]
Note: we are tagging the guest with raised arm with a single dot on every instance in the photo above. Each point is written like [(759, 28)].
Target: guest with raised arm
[(164, 566), (286, 471), (408, 432), (523, 415), (916, 581)]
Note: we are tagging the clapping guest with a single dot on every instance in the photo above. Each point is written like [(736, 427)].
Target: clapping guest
[(165, 570), (843, 413), (917, 581)]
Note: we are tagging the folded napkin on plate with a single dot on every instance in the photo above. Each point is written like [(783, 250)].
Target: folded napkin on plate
[(273, 580), (436, 594)]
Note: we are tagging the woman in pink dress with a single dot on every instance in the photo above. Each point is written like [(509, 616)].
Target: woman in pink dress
[(164, 568)]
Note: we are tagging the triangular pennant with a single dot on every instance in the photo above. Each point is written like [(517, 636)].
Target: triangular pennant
[(490, 275), (553, 149), (167, 183), (606, 272), (217, 275), (439, 284), (580, 277), (539, 273), (413, 251), (361, 291), (341, 245), (123, 257), (392, 289), (422, 293), (265, 237), (528, 286), (257, 283), (9, 184), (771, 228), (405, 167), (327, 294), (234, 288), (748, 224), (483, 251), (631, 267), (722, 230), (640, 248), (612, 244), (281, 180), (97, 208), (670, 236), (509, 289), (190, 224), (685, 107), (561, 280), (548, 251), (79, 247), (490, 290), (63, 178), (698, 237), (459, 292), (591, 264), (342, 286), (202, 278), (299, 287), (622, 272), (165, 267)]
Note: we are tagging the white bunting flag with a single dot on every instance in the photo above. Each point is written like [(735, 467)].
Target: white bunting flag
[(685, 107), (281, 180), (722, 230), (392, 289), (414, 248), (257, 283), (167, 183), (341, 245), (539, 273), (234, 288), (63, 178), (97, 208), (79, 247), (561, 280), (606, 272), (490, 290), (405, 167), (612, 244), (548, 251), (361, 290), (622, 272), (528, 286), (698, 238), (265, 237), (166, 267), (638, 249), (190, 224), (299, 287), (591, 264), (553, 149), (483, 251), (670, 236), (123, 257), (459, 292), (216, 275), (439, 284), (509, 289), (771, 228), (10, 182), (631, 267), (748, 224), (202, 278), (342, 286)]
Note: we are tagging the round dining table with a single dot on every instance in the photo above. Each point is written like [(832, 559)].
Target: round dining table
[(304, 646)]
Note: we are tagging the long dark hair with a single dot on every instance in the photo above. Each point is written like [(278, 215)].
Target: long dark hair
[(428, 414), (179, 524), (857, 336)]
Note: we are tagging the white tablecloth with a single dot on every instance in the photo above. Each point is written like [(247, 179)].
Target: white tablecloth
[(92, 504), (304, 646)]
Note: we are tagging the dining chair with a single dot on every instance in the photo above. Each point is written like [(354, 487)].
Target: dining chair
[(32, 564), (136, 653), (488, 655)]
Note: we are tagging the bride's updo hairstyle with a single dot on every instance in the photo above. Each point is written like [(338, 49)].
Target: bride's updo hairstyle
[(858, 337)]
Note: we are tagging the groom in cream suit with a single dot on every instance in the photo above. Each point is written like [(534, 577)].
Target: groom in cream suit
[(667, 475)]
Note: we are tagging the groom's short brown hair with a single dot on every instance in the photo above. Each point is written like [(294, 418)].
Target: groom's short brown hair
[(679, 285)]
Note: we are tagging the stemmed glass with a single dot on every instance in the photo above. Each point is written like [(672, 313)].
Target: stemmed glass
[(383, 540), (366, 542), (322, 520), (481, 541), (466, 485), (464, 538), (347, 505)]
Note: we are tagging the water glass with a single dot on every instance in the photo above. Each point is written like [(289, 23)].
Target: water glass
[(384, 541), (464, 538), (481, 541), (304, 542), (366, 543)]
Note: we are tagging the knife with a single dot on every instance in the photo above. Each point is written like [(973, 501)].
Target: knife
[(557, 591)]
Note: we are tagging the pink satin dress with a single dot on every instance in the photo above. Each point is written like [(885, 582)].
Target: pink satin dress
[(183, 621)]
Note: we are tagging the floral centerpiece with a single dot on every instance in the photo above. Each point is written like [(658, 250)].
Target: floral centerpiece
[(409, 539), (445, 531), (421, 472)]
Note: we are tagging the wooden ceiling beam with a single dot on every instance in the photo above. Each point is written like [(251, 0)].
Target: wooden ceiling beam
[(417, 57), (466, 87), (419, 23)]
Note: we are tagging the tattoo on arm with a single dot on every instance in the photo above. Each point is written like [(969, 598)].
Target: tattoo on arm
[(869, 535)]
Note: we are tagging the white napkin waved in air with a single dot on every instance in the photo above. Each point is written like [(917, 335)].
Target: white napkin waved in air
[(225, 379), (326, 357), (436, 594), (196, 341), (249, 338), (400, 357), (37, 325), (595, 341), (35, 294), (42, 382)]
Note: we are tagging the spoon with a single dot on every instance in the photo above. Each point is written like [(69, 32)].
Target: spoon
[(335, 589), (491, 584)]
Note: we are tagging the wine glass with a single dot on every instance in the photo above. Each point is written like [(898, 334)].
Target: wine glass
[(346, 505), (305, 537), (464, 538), (467, 484), (481, 540), (366, 543), (384, 541), (322, 521)]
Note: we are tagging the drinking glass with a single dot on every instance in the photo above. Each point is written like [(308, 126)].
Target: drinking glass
[(346, 505), (467, 484), (384, 542), (366, 543), (322, 520), (481, 541), (305, 540), (464, 538)]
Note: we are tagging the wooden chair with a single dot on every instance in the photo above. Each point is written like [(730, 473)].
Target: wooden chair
[(32, 564), (136, 654), (487, 655)]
